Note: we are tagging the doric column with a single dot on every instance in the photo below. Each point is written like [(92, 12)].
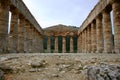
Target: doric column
[(34, 40), (79, 43), (85, 38), (48, 44), (83, 41), (63, 44), (4, 19), (71, 45), (107, 30), (89, 39), (41, 43), (93, 37), (26, 42), (116, 15), (14, 32), (31, 39), (99, 33), (21, 34), (56, 44)]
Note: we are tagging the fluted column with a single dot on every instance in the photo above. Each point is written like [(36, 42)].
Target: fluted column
[(48, 44), (63, 44), (107, 30), (93, 37), (21, 34), (71, 45), (56, 44), (14, 32), (89, 39), (83, 42), (99, 34), (4, 18), (79, 43), (41, 43), (85, 38), (116, 15), (31, 38), (34, 40), (26, 42)]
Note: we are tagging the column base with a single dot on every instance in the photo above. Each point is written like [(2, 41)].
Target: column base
[(107, 51), (12, 51), (117, 51)]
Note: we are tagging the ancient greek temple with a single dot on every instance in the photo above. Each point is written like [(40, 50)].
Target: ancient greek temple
[(21, 33), (95, 34), (61, 39)]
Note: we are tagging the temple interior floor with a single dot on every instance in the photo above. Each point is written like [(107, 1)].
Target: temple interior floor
[(49, 66)]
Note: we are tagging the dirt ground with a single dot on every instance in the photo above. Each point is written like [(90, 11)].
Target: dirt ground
[(53, 66)]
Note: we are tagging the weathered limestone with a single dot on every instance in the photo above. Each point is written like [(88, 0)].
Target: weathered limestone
[(48, 44), (21, 34), (71, 45), (93, 37), (102, 40), (34, 40), (4, 18), (82, 46), (60, 31), (26, 42), (31, 39), (14, 31), (56, 44), (79, 44), (107, 30), (99, 33), (63, 44), (116, 15), (85, 42), (89, 39)]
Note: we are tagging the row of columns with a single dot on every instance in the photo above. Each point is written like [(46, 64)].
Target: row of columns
[(63, 45), (98, 37), (23, 36)]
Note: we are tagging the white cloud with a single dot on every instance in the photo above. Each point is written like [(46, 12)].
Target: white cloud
[(52, 12)]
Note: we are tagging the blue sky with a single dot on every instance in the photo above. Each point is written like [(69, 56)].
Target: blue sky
[(67, 12)]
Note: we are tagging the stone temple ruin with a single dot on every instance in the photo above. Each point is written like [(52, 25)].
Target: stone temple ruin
[(27, 36), (21, 33)]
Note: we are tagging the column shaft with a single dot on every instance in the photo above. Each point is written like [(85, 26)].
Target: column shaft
[(14, 32), (83, 42), (56, 44), (71, 45), (34, 40), (93, 37), (26, 42), (79, 43), (64, 45), (107, 30), (31, 39), (99, 34), (21, 35), (48, 44), (4, 19), (116, 15), (89, 39), (85, 37)]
